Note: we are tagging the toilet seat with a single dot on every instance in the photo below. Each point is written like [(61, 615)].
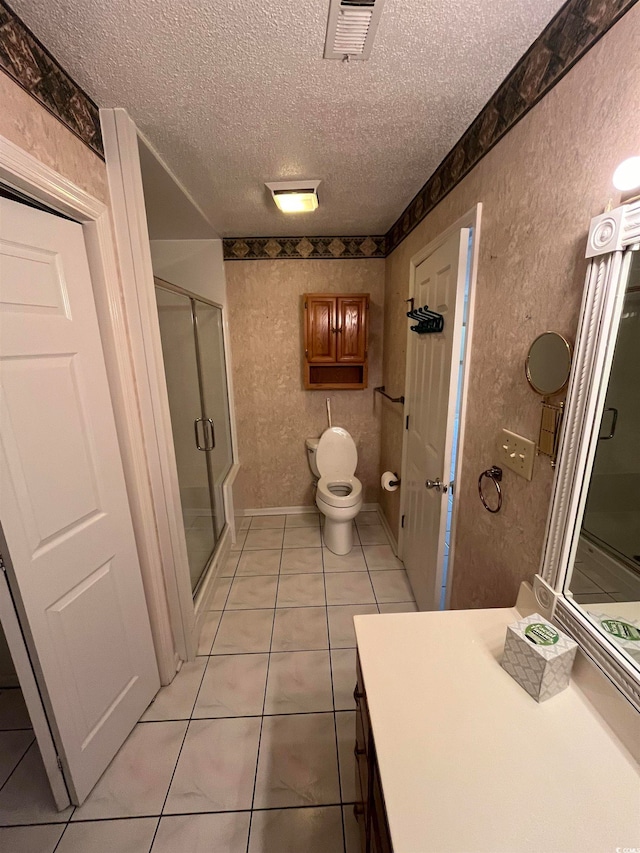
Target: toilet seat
[(332, 490), (336, 456)]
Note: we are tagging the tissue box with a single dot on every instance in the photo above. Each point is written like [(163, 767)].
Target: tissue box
[(538, 656)]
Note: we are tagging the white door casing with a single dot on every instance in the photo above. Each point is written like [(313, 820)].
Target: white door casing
[(74, 570), (433, 369)]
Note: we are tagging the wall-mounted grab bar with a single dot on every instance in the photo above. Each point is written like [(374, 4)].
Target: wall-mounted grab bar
[(381, 390)]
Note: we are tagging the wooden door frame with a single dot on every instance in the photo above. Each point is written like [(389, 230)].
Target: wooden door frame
[(23, 172), (471, 219)]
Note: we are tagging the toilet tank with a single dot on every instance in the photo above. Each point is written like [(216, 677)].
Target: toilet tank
[(312, 446)]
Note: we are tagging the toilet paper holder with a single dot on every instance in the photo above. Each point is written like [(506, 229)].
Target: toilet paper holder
[(395, 482)]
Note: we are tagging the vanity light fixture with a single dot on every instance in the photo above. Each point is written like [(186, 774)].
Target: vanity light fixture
[(627, 176), (295, 196)]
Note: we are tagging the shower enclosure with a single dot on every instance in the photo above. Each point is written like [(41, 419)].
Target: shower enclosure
[(193, 353)]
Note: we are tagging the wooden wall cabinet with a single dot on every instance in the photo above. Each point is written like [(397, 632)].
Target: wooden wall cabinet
[(335, 340)]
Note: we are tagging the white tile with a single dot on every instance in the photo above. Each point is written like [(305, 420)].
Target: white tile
[(399, 607), (30, 839), (267, 522), (203, 833), (581, 584), (208, 631), (243, 522), (346, 728), (241, 538), (301, 560), (380, 557), (343, 672), (351, 562), (220, 592), (261, 540), (342, 633), (301, 590), (365, 519), (259, 563), (26, 796), (300, 629), (298, 762), (13, 711), (230, 566), (372, 534), (391, 586), (349, 588), (252, 593), (233, 686), (176, 700), (315, 830), (107, 836), (13, 745), (302, 537), (217, 766), (298, 682), (136, 781), (304, 519), (244, 631), (352, 830)]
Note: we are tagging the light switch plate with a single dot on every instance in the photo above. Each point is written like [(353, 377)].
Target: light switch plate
[(517, 453)]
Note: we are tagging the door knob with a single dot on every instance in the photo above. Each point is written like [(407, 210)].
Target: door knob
[(436, 484)]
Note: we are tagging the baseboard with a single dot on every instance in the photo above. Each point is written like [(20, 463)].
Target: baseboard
[(387, 529), (295, 510)]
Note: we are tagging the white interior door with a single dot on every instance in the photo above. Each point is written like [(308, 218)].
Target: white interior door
[(432, 381), (73, 570)]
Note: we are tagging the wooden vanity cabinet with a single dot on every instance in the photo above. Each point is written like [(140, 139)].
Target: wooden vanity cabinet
[(335, 340), (370, 810)]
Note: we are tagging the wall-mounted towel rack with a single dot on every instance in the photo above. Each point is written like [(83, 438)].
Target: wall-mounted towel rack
[(428, 321), (381, 390)]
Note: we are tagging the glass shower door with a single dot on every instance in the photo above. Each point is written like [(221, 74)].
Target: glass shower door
[(215, 400), (191, 433)]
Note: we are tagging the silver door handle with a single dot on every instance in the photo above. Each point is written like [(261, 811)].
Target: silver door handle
[(195, 430), (436, 484), (614, 421), (213, 433)]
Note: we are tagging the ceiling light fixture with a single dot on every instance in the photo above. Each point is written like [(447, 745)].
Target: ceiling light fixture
[(627, 176), (295, 196)]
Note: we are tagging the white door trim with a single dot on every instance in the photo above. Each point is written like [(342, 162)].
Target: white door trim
[(22, 171), (471, 219)]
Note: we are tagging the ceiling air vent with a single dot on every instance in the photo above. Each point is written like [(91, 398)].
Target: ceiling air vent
[(351, 28)]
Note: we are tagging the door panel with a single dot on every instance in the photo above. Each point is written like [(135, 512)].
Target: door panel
[(352, 329), (321, 322), (432, 386), (175, 314), (74, 571)]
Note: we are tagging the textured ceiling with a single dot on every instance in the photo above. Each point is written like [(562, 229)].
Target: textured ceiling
[(233, 94)]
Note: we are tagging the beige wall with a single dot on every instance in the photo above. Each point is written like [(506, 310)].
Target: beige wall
[(539, 187), (274, 413)]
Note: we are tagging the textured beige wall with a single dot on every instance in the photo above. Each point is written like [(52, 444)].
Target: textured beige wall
[(27, 124), (274, 413), (539, 187)]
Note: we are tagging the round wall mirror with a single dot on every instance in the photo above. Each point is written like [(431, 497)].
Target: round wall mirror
[(548, 363)]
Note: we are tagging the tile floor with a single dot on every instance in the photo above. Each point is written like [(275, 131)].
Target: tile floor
[(250, 749)]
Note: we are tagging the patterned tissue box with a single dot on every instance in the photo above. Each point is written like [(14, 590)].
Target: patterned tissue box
[(538, 656)]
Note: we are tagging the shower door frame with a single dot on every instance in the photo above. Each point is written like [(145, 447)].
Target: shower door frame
[(194, 297)]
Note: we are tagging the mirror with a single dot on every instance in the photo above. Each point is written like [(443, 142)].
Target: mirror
[(589, 579), (548, 364), (605, 576)]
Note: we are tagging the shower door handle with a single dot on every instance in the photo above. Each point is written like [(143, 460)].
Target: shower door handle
[(195, 430), (213, 433), (614, 421)]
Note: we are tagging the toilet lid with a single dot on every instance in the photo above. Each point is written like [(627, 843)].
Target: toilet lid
[(336, 455)]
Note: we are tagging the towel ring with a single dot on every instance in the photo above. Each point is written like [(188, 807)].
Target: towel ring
[(495, 475)]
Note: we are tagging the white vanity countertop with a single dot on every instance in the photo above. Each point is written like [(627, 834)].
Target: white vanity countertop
[(470, 762)]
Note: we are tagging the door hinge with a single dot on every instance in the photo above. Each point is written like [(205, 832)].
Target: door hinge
[(402, 522), (305, 304), (2, 565), (406, 425), (59, 763)]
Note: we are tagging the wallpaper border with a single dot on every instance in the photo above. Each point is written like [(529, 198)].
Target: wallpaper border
[(28, 63), (302, 248)]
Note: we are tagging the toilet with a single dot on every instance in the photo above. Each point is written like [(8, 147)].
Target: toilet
[(333, 458)]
